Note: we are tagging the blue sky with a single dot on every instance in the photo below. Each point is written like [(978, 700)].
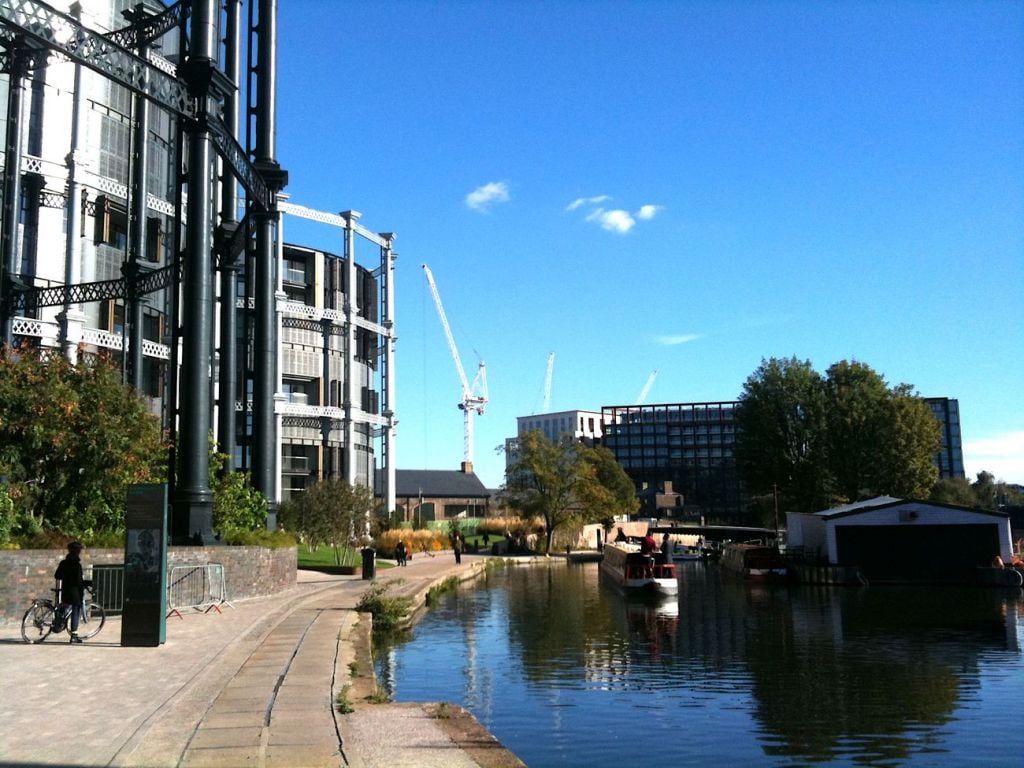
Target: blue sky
[(686, 187)]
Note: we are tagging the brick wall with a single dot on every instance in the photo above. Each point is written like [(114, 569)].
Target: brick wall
[(250, 571)]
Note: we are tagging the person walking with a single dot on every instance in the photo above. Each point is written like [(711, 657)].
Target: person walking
[(400, 552), (457, 546), (72, 586)]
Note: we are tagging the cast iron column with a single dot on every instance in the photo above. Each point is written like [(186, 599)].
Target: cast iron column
[(139, 213), (12, 191), (351, 402), (387, 275), (193, 500), (228, 388), (264, 450), (72, 317)]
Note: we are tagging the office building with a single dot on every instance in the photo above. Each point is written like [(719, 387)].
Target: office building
[(950, 458)]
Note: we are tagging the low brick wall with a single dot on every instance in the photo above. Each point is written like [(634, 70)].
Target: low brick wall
[(250, 571)]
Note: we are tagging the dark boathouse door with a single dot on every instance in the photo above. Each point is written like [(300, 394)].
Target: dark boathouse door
[(943, 553)]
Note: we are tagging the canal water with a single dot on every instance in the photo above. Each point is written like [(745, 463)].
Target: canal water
[(567, 671)]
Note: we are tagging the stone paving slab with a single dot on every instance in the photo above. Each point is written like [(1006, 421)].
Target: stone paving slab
[(253, 685)]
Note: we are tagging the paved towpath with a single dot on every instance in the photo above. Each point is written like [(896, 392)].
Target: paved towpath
[(253, 686)]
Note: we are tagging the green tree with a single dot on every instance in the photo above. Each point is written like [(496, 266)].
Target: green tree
[(952, 490), (984, 493), (330, 511), (910, 439), (855, 409), (880, 440), (985, 490), (839, 438), (780, 434), (563, 482), (611, 492), (72, 439)]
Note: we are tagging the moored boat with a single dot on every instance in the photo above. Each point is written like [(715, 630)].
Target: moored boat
[(684, 554), (756, 562), (629, 569)]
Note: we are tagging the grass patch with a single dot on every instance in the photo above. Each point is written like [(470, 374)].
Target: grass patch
[(324, 555), (442, 711), (450, 584), (388, 610), (341, 702), (379, 696), (353, 669), (496, 564)]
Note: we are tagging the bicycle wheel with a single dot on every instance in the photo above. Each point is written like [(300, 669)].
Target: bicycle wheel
[(91, 621), (37, 623)]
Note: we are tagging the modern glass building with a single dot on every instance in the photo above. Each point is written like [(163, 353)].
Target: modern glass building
[(950, 458), (680, 448)]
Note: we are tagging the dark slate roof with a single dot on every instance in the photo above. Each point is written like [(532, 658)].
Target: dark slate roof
[(436, 483)]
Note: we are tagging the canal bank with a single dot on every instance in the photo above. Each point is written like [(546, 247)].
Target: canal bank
[(255, 685)]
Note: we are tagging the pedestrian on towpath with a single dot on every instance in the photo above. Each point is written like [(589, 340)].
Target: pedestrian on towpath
[(72, 586), (400, 552)]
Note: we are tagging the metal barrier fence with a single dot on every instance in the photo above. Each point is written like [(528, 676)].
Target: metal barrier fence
[(108, 587), (197, 587)]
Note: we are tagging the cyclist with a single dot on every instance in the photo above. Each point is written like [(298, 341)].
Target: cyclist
[(72, 586)]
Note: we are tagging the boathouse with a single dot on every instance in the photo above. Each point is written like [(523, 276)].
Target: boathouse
[(902, 540)]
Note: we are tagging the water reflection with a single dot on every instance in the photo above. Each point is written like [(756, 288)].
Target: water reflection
[(547, 657)]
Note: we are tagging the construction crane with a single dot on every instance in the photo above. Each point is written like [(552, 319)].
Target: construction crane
[(547, 382), (647, 388), (474, 396)]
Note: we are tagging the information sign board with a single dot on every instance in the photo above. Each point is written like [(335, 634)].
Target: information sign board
[(144, 621)]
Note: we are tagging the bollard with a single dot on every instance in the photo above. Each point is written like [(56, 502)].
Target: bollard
[(368, 563)]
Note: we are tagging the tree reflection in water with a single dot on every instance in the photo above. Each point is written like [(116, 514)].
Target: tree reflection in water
[(566, 670)]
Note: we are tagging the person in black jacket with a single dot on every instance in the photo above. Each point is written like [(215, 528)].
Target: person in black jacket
[(72, 586)]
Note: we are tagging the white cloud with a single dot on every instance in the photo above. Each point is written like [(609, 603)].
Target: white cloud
[(615, 220), (481, 198), (682, 338), (1001, 454), (581, 201)]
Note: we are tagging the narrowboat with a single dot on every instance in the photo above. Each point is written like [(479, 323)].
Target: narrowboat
[(626, 567), (756, 562)]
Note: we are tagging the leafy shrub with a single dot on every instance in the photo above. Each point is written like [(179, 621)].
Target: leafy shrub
[(343, 705), (496, 526), (387, 610), (8, 518), (237, 506), (241, 537), (417, 541), (73, 437), (451, 584)]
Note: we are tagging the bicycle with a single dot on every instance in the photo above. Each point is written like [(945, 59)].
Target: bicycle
[(45, 617)]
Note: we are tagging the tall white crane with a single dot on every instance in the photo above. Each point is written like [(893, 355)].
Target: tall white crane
[(547, 382), (647, 388), (474, 396)]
